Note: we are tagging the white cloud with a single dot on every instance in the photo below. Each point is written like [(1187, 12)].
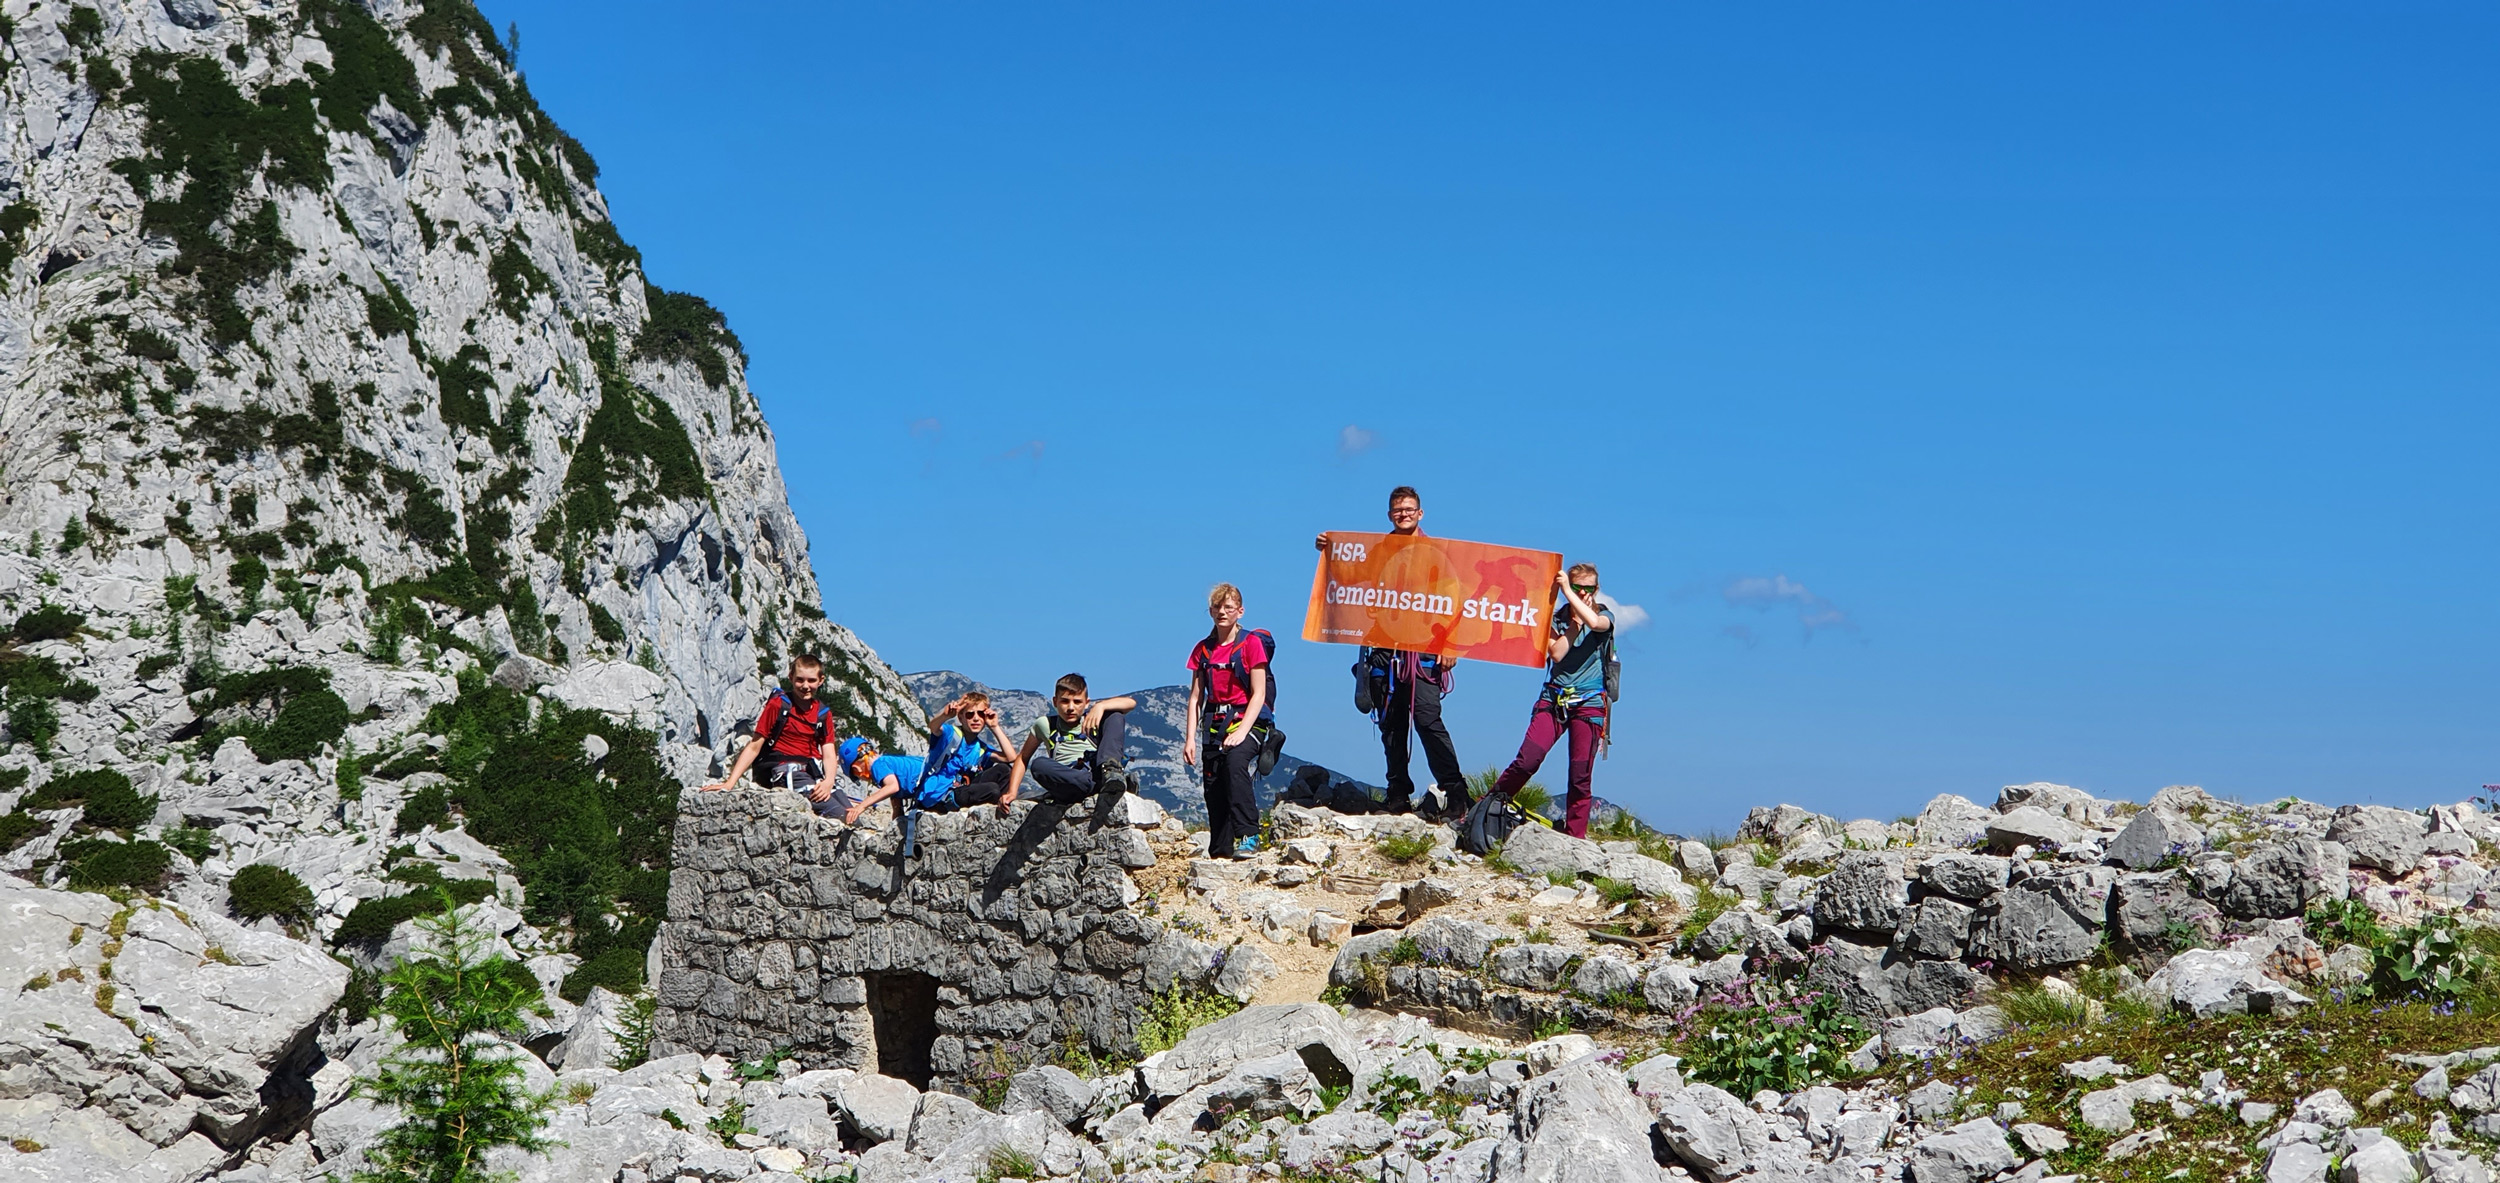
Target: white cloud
[(1354, 441), (1764, 593), (1626, 615)]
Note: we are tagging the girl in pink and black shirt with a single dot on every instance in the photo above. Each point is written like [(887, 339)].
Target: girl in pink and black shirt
[(1227, 688)]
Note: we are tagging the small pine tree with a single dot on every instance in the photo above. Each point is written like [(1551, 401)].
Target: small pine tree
[(456, 1083)]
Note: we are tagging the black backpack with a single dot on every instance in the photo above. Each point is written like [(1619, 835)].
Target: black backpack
[(1375, 676), (1272, 747), (1489, 823)]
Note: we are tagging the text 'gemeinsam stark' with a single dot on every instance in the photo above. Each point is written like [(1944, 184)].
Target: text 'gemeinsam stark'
[(1523, 612)]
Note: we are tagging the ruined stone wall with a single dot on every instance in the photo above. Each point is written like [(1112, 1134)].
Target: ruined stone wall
[(1004, 939)]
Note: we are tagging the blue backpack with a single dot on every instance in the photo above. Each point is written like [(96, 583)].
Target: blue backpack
[(948, 762)]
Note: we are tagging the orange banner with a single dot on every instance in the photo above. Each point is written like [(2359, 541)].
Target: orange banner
[(1433, 595)]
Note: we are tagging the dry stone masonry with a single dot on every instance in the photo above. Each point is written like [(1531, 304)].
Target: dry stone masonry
[(1008, 935)]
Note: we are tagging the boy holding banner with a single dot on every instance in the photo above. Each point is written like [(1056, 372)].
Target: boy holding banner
[(1416, 682), (1573, 701)]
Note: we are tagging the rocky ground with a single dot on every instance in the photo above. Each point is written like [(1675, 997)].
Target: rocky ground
[(1417, 1013)]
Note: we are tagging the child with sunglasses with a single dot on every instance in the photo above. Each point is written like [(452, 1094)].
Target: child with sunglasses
[(970, 762), (1573, 701)]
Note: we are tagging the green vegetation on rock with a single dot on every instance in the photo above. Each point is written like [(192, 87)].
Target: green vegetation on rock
[(686, 328), (262, 890), (96, 863), (303, 715)]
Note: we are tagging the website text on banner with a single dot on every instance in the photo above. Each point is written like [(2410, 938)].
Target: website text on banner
[(1433, 595)]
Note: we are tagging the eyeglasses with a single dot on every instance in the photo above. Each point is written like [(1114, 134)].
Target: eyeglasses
[(1405, 511)]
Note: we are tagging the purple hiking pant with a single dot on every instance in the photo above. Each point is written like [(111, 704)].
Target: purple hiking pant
[(1586, 721)]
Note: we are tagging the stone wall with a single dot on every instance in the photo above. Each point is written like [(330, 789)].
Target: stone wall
[(1004, 939)]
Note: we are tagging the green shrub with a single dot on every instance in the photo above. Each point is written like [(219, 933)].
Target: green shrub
[(1171, 1015), (16, 828), (1780, 1038), (458, 1089), (618, 970), (429, 806), (118, 807), (371, 921), (50, 622), (195, 843), (1404, 848), (34, 720), (261, 890), (2436, 960), (308, 714), (112, 804), (98, 863)]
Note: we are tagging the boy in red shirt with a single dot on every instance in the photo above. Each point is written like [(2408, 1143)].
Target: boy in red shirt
[(794, 741)]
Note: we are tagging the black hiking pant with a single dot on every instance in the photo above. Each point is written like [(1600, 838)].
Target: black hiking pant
[(1416, 700), (1232, 789), (1066, 782)]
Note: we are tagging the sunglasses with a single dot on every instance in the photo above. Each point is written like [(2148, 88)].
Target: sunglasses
[(1587, 590)]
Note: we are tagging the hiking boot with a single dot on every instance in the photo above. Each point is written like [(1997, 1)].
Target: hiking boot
[(1112, 779)]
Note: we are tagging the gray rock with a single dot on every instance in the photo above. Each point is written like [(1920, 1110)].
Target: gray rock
[(1448, 940), (2380, 838), (2030, 825), (597, 1032), (881, 1108), (2045, 921), (2112, 1110), (1937, 927), (1601, 978), (1967, 1153), (1308, 1029), (2096, 1068), (2207, 982), (1670, 987), (2158, 911), (1864, 893), (1874, 981), (1709, 1131), (2384, 1161), (1050, 1089), (1951, 821), (1245, 969), (1777, 824), (1270, 1086), (2040, 1139), (1578, 1124), (2444, 1165), (1529, 967), (2282, 879), (1650, 877), (942, 1119), (2153, 835), (2326, 1107), (802, 1123), (1934, 1099), (2298, 1162), (2432, 1085), (1750, 881), (1656, 1076), (1542, 851), (1696, 860), (1969, 877)]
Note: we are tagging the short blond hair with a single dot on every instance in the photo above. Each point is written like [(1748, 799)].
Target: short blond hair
[(1222, 592), (1579, 569), (974, 698)]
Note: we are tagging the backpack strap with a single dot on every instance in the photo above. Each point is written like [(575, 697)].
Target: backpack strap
[(780, 720)]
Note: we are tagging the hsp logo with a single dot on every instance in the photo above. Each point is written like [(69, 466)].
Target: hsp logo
[(1347, 552)]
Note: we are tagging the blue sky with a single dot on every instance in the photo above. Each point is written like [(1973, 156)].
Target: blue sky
[(1968, 396)]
